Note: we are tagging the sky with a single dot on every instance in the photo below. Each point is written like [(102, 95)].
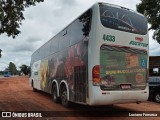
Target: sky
[(45, 20)]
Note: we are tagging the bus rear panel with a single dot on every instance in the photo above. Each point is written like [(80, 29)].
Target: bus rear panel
[(120, 60)]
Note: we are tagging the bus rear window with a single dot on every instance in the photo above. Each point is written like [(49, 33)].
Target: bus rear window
[(122, 19)]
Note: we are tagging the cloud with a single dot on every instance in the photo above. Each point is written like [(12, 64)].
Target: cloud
[(45, 20), (67, 3), (33, 39), (23, 48)]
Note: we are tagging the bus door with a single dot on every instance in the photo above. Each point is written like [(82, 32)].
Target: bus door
[(36, 74)]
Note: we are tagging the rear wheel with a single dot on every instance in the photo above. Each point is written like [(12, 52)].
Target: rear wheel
[(54, 94), (64, 95), (157, 97)]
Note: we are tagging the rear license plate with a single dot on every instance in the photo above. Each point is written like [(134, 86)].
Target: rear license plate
[(125, 86)]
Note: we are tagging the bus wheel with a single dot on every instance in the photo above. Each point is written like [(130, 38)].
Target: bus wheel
[(54, 94), (34, 89), (157, 97), (64, 100)]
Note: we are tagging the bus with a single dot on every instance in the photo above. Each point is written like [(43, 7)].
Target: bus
[(100, 58), (6, 73)]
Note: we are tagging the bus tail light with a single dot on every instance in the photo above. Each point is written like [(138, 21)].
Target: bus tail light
[(96, 75)]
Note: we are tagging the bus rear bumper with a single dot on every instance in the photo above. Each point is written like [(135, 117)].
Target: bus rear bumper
[(99, 97)]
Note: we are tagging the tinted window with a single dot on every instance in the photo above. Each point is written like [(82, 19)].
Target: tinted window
[(42, 52), (38, 55), (154, 80), (47, 49), (122, 19), (80, 28), (35, 56), (76, 31), (64, 38), (55, 44)]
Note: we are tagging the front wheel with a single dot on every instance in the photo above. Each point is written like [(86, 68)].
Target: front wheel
[(157, 97), (34, 89), (64, 100)]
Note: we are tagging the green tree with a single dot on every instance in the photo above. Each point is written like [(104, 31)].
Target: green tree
[(12, 13), (151, 9), (12, 68), (25, 69)]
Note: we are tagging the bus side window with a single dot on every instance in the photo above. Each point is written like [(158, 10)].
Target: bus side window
[(80, 28), (42, 52), (54, 44), (47, 50), (37, 56), (76, 32), (64, 38)]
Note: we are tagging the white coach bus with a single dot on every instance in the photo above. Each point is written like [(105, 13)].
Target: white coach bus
[(100, 58)]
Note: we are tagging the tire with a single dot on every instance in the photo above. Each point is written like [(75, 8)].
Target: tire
[(64, 100), (157, 97), (34, 89), (54, 94)]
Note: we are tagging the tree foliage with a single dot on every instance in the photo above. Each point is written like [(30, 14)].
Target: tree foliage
[(12, 68), (13, 15), (25, 69), (151, 9)]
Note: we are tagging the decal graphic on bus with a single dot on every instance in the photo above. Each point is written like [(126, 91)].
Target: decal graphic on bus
[(44, 72), (119, 67)]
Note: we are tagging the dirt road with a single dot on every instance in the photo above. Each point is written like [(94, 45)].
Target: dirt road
[(17, 96)]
